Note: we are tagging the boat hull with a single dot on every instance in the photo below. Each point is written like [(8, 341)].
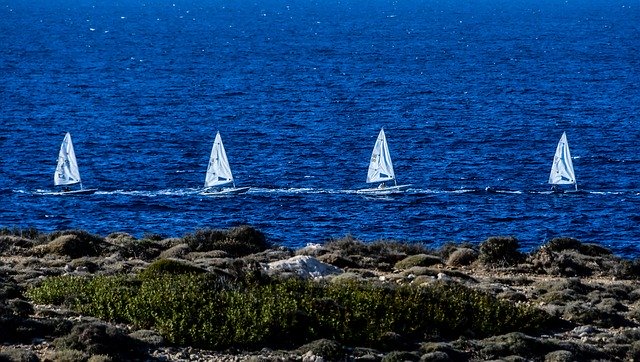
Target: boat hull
[(227, 191), (385, 190), (76, 192)]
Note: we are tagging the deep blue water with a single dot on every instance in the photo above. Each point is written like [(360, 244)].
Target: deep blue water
[(472, 94)]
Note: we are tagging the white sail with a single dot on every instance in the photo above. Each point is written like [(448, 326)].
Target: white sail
[(219, 171), (67, 172), (562, 169), (380, 166)]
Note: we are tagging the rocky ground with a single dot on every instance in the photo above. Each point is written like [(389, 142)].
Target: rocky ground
[(595, 294)]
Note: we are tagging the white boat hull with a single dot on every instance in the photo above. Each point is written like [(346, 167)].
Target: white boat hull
[(384, 190), (76, 192), (226, 191)]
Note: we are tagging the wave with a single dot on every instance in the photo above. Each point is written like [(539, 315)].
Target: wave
[(311, 191)]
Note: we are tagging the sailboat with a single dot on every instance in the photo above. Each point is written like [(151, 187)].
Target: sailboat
[(562, 172), (381, 169), (67, 172), (219, 175)]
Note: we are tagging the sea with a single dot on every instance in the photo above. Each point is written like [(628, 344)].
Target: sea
[(473, 96)]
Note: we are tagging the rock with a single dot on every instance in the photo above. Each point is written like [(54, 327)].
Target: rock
[(150, 337), (437, 356), (392, 341), (312, 249), (443, 277), (304, 266), (419, 270), (437, 350), (347, 277), (271, 255), (337, 260), (634, 352), (323, 349), (559, 356), (584, 330), (401, 356), (514, 344)]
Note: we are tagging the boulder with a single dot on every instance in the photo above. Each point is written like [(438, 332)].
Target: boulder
[(304, 266)]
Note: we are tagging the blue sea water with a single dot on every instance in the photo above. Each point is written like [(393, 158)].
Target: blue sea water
[(472, 95)]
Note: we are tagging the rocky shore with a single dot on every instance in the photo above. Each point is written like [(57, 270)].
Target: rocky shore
[(591, 297)]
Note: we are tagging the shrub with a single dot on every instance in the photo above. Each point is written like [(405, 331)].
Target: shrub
[(67, 355), (9, 288), (594, 250), (82, 235), (11, 354), (176, 251), (144, 249), (237, 241), (326, 348), (382, 255), (418, 260), (11, 245), (20, 307), (100, 339), (191, 309), (74, 244), (500, 251), (169, 266), (102, 296), (120, 238), (152, 236), (562, 243), (462, 257), (29, 233)]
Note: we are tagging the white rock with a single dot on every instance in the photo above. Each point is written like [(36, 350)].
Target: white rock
[(443, 276), (304, 266)]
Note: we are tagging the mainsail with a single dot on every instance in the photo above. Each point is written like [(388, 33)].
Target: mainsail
[(380, 166), (562, 169), (67, 172), (219, 171)]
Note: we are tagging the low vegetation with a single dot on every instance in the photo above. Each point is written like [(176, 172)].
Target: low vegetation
[(237, 241), (194, 308), (500, 251)]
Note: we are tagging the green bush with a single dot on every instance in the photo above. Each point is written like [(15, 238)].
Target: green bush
[(169, 266), (500, 251), (194, 309), (418, 260), (562, 243), (237, 241)]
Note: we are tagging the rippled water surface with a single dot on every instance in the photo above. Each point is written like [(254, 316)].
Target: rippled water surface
[(473, 95)]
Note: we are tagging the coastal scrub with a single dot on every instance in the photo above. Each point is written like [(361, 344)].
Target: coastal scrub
[(201, 310)]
